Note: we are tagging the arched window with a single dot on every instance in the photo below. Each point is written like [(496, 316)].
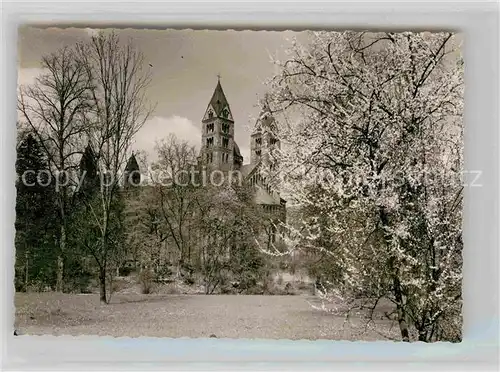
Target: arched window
[(210, 114)]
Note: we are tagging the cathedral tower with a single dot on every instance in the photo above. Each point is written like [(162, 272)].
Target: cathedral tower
[(263, 138), (218, 148)]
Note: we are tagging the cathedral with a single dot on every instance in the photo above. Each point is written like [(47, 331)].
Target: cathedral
[(219, 151)]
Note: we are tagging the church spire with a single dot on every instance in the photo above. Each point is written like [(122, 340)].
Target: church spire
[(265, 120), (218, 105), (218, 148)]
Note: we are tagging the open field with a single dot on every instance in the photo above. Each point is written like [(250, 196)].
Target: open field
[(226, 316)]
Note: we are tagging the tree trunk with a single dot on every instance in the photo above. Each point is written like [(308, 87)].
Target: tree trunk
[(60, 260), (398, 294), (102, 285), (422, 336), (403, 325), (103, 268), (26, 271)]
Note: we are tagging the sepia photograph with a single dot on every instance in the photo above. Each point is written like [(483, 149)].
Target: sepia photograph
[(293, 185)]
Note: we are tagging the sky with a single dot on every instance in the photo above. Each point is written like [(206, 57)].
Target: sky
[(185, 65)]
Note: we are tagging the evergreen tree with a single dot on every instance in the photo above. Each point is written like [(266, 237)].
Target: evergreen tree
[(88, 175), (88, 258), (78, 271), (36, 217)]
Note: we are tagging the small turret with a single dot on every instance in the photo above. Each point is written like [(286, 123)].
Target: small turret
[(132, 174)]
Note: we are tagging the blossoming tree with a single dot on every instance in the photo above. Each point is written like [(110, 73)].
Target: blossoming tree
[(371, 127)]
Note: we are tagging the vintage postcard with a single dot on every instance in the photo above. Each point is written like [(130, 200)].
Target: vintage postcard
[(239, 184)]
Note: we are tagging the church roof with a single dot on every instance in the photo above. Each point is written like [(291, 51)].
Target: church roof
[(263, 197), (218, 101), (246, 169)]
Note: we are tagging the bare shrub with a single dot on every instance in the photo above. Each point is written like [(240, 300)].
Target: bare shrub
[(268, 284), (171, 289), (146, 280), (118, 285), (279, 281), (289, 290), (302, 286)]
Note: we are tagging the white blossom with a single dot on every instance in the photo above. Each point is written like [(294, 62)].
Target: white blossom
[(371, 133)]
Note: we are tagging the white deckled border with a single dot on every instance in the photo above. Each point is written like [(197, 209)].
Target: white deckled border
[(479, 350)]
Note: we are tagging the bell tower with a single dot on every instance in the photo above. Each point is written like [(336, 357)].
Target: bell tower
[(217, 146), (264, 138)]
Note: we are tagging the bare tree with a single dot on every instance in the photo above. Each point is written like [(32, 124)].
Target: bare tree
[(175, 193), (120, 109), (55, 107), (228, 222)]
